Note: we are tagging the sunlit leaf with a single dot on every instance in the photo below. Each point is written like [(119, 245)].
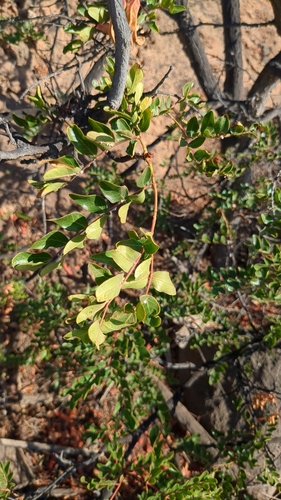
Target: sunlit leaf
[(94, 230), (123, 212), (89, 312), (125, 257), (161, 281), (95, 334), (76, 242), (110, 288), (25, 261)]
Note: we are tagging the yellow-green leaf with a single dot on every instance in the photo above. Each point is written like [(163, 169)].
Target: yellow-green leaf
[(96, 335), (94, 230), (110, 288), (161, 281)]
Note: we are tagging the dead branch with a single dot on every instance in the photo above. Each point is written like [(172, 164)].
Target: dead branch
[(263, 86), (276, 5), (122, 52), (185, 418), (233, 49), (49, 448), (27, 149), (196, 53)]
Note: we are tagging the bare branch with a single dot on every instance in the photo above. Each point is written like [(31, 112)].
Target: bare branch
[(196, 53), (122, 52), (29, 150), (233, 49), (276, 5), (263, 86), (49, 448)]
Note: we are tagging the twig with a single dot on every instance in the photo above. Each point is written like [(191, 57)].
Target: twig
[(122, 52), (49, 448), (159, 84)]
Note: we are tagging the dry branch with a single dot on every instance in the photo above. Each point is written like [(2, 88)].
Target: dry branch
[(185, 418), (263, 86), (276, 5), (233, 49), (196, 53), (29, 150)]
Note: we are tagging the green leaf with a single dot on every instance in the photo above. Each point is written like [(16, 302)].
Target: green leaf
[(94, 230), (105, 258), (72, 222), (145, 103), (113, 192), (25, 261), (208, 123), (145, 178), (196, 143), (147, 309), (95, 334), (137, 198), (141, 276), (161, 281), (131, 149), (89, 312), (57, 172), (149, 244), (135, 283), (125, 257), (237, 128), (103, 141), (48, 268), (101, 128), (98, 273), (123, 212), (122, 128), (138, 92), (78, 333), (98, 12), (192, 127), (46, 187), (92, 203), (144, 123), (110, 288), (222, 125), (201, 154), (143, 269), (54, 239), (68, 161), (76, 242), (73, 46), (81, 143), (134, 76), (119, 319)]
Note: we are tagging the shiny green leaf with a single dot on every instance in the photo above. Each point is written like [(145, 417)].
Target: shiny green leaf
[(72, 222), (92, 203), (54, 239)]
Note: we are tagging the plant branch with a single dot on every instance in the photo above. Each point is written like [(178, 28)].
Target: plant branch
[(196, 53), (233, 85), (122, 52), (276, 5), (263, 86)]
